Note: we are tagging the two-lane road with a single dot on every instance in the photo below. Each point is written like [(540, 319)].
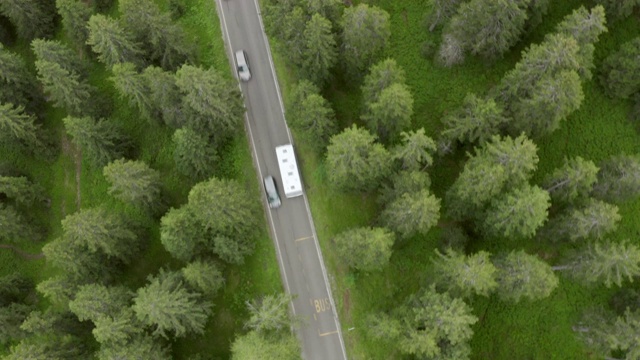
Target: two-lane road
[(301, 265)]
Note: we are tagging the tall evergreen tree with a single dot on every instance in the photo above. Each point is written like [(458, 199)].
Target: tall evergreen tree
[(618, 9), (21, 190), (403, 182), (18, 83), (93, 301), (141, 347), (181, 234), (56, 52), (584, 26), (31, 18), (621, 70), (214, 103), (134, 87), (194, 156), (269, 313), (75, 15), (518, 156), (365, 34), (64, 88), (310, 113), (609, 263), (380, 76), (520, 275), (517, 213), (618, 179), (412, 214), (101, 141), (168, 307), (573, 181), (415, 151), (16, 126), (593, 221), (165, 96), (366, 249), (320, 52), (165, 42), (79, 264), (391, 113), (111, 42), (429, 325), (204, 277), (488, 27), (475, 122), (355, 161), (234, 211), (102, 231), (14, 227), (117, 330), (465, 275), (11, 317), (134, 182)]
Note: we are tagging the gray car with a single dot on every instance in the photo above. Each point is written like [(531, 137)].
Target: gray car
[(242, 64), (272, 192)]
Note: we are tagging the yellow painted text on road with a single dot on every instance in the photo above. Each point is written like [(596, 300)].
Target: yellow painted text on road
[(322, 305)]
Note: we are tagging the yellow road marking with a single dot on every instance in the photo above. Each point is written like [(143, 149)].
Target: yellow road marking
[(327, 333), (304, 238)]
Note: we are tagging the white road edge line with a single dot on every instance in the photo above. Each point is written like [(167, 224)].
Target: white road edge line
[(255, 152), (304, 195)]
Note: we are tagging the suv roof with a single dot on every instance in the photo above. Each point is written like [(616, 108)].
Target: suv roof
[(242, 65), (271, 190)]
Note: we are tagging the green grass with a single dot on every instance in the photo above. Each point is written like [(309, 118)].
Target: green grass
[(599, 129), (258, 276)]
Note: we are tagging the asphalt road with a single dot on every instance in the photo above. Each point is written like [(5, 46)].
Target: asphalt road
[(301, 264)]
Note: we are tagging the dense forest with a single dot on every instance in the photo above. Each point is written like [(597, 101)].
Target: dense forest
[(473, 168)]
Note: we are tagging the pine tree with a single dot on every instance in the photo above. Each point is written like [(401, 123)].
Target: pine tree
[(56, 52), (403, 182), (573, 181), (355, 162), (618, 179), (165, 42), (520, 275), (584, 26), (102, 231), (79, 264), (593, 221), (618, 9), (412, 214), (134, 87), (93, 301), (320, 52), (203, 276), (214, 103), (117, 330), (64, 88), (111, 42), (311, 114), (475, 122), (181, 234), (391, 113), (18, 83), (269, 314), (517, 213), (75, 15), (365, 248), (134, 182), (165, 96), (381, 75), (609, 263), (518, 156), (621, 70), (168, 307), (21, 190), (17, 127), (31, 18), (11, 317), (141, 347), (365, 34), (465, 274), (194, 156), (235, 210), (415, 151), (488, 27), (101, 141), (14, 227)]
